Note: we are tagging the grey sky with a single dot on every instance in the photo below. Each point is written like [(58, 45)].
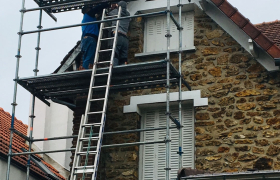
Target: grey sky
[(56, 44)]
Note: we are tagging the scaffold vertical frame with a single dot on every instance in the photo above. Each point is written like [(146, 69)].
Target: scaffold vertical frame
[(167, 139)]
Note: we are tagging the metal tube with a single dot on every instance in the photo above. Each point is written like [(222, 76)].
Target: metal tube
[(174, 20), (95, 22), (105, 133), (167, 138), (54, 138), (180, 86), (21, 135), (18, 56), (103, 146), (43, 152), (32, 115)]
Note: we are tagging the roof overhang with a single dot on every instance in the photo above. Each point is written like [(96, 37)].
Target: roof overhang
[(239, 35)]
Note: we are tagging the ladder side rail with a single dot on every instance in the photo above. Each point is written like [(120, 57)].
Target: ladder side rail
[(103, 118), (85, 119), (94, 69), (78, 147), (98, 46)]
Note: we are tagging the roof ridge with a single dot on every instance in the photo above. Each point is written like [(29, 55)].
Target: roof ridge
[(267, 23)]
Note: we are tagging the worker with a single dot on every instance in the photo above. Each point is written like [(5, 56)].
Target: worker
[(121, 50), (90, 34)]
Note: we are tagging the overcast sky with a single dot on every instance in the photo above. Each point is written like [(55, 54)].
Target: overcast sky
[(56, 44)]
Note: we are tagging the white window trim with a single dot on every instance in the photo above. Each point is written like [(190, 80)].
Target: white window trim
[(188, 49), (140, 102)]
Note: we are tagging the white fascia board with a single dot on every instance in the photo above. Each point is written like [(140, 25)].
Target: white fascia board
[(158, 5), (136, 101), (238, 34)]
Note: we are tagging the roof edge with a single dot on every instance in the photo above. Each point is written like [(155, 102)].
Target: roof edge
[(250, 29)]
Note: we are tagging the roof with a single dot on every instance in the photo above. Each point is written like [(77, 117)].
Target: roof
[(271, 30), (251, 30), (18, 143)]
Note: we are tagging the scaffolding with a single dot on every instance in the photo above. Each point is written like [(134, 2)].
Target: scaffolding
[(55, 86)]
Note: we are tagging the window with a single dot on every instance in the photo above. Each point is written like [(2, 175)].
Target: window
[(152, 156), (155, 31)]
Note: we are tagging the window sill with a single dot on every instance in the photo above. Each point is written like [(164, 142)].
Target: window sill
[(189, 49)]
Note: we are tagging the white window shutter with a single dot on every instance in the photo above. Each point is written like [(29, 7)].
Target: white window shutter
[(156, 29), (150, 33), (188, 136), (149, 149), (154, 154), (155, 34), (174, 40), (188, 31), (161, 147)]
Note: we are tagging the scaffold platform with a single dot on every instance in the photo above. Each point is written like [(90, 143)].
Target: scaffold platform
[(58, 6), (70, 85)]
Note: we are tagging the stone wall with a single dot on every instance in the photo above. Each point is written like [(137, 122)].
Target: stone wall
[(239, 129)]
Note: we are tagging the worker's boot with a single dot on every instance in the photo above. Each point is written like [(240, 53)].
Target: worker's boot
[(90, 66), (81, 68)]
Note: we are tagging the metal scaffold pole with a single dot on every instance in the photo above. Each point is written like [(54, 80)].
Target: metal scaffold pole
[(32, 115), (18, 56), (180, 85), (167, 138)]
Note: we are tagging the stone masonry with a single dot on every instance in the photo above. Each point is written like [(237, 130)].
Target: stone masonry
[(239, 129)]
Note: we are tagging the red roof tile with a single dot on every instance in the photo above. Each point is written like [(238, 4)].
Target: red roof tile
[(271, 30), (18, 143), (265, 37)]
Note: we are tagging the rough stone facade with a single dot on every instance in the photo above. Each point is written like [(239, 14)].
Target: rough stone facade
[(239, 129)]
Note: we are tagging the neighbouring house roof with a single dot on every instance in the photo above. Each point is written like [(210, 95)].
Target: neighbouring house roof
[(251, 30), (271, 30), (18, 144), (66, 57)]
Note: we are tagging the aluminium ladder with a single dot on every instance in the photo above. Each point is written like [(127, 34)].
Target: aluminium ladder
[(82, 166)]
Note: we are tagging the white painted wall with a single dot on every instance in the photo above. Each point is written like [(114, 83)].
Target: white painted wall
[(15, 173), (53, 121)]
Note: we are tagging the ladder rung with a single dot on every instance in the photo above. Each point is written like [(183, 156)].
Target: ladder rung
[(87, 139), (96, 112), (100, 99), (95, 87), (103, 74), (93, 124), (110, 27), (107, 17), (84, 169), (103, 62), (106, 39), (105, 50), (85, 153)]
